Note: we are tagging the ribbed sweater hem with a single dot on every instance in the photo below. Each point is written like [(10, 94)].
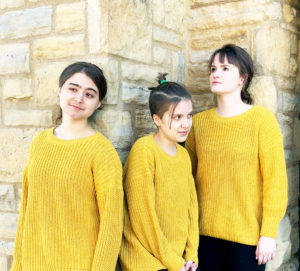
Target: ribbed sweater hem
[(46, 268)]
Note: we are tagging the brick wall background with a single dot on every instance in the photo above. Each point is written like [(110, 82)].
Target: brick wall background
[(133, 40)]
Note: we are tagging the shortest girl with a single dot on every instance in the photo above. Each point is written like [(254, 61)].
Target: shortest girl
[(161, 214)]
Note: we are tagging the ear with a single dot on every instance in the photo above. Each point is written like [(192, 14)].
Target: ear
[(99, 104), (242, 80), (58, 91), (156, 120)]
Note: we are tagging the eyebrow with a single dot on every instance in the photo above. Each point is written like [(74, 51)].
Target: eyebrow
[(76, 85)]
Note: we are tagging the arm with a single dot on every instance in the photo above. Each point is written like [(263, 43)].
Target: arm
[(272, 165), (191, 250), (140, 195), (108, 184), (190, 145), (17, 262)]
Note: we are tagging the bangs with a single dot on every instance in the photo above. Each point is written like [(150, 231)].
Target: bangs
[(223, 53)]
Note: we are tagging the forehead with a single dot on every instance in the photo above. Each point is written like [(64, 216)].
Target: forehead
[(82, 80), (221, 59), (183, 107)]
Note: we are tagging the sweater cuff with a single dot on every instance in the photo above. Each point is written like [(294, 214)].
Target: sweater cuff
[(189, 256)]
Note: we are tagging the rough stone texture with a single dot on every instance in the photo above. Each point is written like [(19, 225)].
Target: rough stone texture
[(11, 3), (296, 140), (178, 67), (235, 13), (283, 252), (293, 185), (287, 102), (3, 263), (286, 127), (161, 56), (129, 26), (70, 17), (58, 47), (143, 119), (17, 89), (19, 24), (166, 36), (116, 125), (203, 102), (8, 225), (208, 40), (6, 248), (141, 72), (174, 15), (13, 152), (159, 12), (289, 13), (28, 117), (14, 58), (94, 32), (264, 92), (135, 94), (46, 82), (267, 56), (7, 197)]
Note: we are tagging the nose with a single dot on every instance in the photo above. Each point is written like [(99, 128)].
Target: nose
[(79, 96), (185, 122), (216, 73)]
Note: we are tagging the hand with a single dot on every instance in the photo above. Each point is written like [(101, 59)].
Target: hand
[(190, 266), (265, 250)]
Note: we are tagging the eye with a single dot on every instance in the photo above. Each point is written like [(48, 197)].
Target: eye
[(225, 69), (212, 69), (72, 89), (189, 116), (89, 95), (176, 117)]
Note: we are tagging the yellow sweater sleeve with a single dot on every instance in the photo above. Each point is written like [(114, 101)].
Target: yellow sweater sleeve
[(191, 250), (109, 193), (191, 148), (140, 195), (17, 263), (272, 166)]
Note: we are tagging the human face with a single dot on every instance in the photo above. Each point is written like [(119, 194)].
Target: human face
[(224, 77), (175, 128), (79, 97)]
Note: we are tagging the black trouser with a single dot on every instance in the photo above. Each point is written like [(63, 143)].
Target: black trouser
[(221, 255)]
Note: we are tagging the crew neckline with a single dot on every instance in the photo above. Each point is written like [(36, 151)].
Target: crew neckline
[(236, 117), (57, 140), (163, 152)]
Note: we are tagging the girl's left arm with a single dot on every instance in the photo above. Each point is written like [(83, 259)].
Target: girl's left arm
[(273, 170), (107, 173), (191, 250)]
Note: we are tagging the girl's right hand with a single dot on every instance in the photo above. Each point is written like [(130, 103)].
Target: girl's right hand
[(190, 266)]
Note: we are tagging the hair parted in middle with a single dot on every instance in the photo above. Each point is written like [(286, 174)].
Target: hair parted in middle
[(167, 94)]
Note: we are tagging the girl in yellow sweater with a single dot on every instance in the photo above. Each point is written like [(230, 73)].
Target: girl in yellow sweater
[(72, 198), (238, 163), (161, 214)]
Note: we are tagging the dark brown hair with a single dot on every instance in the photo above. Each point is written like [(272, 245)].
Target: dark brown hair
[(238, 57), (167, 94)]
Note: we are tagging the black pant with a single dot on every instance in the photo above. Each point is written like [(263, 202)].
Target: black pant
[(221, 255)]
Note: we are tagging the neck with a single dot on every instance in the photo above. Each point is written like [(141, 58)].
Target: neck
[(166, 145), (70, 129), (231, 105)]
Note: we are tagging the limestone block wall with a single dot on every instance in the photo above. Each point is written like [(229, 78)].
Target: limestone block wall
[(269, 31), (132, 40)]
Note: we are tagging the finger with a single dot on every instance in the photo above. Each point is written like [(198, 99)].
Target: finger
[(260, 259)]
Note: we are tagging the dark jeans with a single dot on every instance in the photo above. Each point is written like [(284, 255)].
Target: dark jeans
[(221, 255)]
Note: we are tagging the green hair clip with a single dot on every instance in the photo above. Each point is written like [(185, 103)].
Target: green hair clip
[(163, 81)]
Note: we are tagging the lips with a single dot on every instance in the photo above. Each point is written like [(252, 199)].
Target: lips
[(184, 133), (76, 107)]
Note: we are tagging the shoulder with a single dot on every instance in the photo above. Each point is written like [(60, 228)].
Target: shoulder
[(203, 115), (184, 153), (263, 112), (265, 117), (142, 145), (41, 137)]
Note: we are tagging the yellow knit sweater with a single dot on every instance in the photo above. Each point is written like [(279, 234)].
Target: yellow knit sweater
[(161, 216), (239, 167), (72, 206)]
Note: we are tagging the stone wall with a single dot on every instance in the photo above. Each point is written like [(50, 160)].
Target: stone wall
[(133, 40), (269, 31)]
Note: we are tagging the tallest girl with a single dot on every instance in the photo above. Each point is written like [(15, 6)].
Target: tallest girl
[(238, 163)]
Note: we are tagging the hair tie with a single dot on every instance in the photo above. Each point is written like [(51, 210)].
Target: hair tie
[(163, 81)]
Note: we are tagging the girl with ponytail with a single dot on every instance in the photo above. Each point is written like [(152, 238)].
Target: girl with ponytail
[(161, 214), (239, 167)]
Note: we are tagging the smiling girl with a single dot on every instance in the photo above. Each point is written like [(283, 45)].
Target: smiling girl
[(72, 198), (161, 214), (238, 163)]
